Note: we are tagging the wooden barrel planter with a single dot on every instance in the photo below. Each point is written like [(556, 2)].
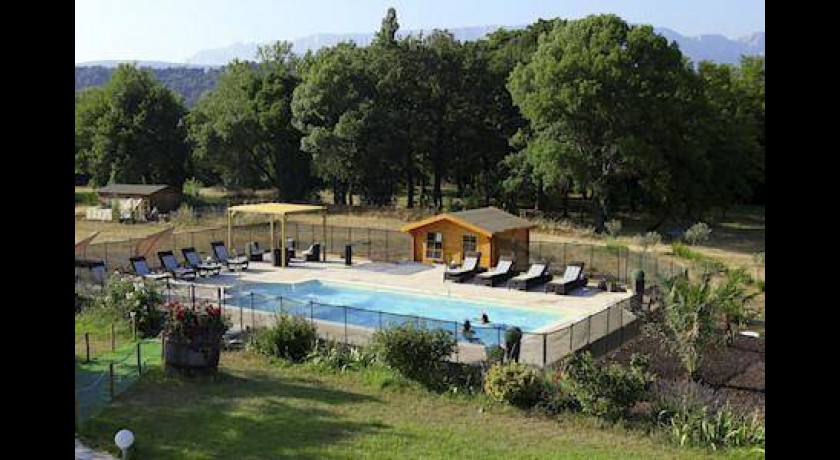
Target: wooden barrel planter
[(192, 357)]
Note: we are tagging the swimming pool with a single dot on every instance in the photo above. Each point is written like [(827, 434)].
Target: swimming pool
[(376, 308)]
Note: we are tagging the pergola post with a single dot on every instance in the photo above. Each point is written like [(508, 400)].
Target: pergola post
[(271, 229), (230, 229), (324, 242), (283, 240)]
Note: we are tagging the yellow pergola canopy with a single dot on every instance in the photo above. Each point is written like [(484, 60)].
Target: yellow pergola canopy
[(277, 209)]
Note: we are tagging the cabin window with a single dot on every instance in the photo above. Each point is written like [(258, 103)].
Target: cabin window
[(434, 245), (470, 243)]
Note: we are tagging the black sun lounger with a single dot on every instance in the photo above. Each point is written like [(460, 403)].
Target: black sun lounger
[(573, 278), (537, 274), (203, 268), (222, 256), (502, 272), (170, 264), (467, 270), (141, 267)]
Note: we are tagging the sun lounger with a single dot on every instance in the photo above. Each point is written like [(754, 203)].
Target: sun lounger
[(141, 267), (537, 273), (255, 252), (313, 254), (502, 272), (170, 264), (222, 256), (572, 279), (203, 268), (467, 270)]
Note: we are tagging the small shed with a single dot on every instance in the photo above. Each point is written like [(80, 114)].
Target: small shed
[(491, 231), (140, 197)]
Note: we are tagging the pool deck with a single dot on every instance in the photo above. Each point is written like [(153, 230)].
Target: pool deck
[(420, 279)]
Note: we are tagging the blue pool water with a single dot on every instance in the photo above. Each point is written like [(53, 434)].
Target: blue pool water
[(376, 308)]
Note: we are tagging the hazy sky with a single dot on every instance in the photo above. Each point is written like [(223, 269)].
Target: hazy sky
[(172, 30)]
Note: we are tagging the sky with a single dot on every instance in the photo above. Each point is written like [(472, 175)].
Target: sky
[(170, 30)]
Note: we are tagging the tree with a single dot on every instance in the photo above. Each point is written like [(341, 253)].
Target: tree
[(330, 107), (243, 129), (689, 312), (131, 131), (602, 101)]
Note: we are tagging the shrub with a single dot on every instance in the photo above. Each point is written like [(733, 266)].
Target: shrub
[(339, 356), (192, 188), (697, 233), (414, 352), (684, 252), (649, 240), (670, 397), (292, 338), (185, 215), (613, 227), (723, 428), (124, 295), (514, 383), (87, 198), (495, 354), (606, 391)]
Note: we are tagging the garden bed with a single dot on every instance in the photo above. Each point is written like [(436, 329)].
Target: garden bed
[(735, 371)]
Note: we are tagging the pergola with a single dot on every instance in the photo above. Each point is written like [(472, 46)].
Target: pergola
[(278, 209)]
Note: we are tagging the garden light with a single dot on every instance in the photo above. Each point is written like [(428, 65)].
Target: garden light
[(124, 439)]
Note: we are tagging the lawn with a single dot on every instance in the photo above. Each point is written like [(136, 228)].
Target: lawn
[(260, 408)]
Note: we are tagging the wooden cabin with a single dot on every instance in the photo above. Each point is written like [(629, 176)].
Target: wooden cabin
[(445, 238), (141, 198)]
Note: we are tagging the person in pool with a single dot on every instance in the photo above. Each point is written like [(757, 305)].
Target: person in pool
[(467, 327), (484, 318)]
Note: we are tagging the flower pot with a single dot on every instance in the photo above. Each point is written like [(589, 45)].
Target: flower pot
[(191, 357)]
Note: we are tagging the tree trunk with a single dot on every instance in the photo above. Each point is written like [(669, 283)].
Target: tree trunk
[(409, 184), (437, 195), (423, 189), (601, 210)]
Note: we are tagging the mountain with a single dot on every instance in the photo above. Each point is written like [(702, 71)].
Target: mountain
[(149, 64), (710, 47), (716, 48)]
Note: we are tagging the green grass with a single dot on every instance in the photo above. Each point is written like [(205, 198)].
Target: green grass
[(261, 408)]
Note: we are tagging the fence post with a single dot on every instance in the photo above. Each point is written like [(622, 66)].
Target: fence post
[(589, 329), (111, 380), (498, 336), (192, 294), (311, 311), (545, 349), (252, 311), (345, 324), (87, 347), (139, 362), (564, 254), (241, 319), (113, 337)]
